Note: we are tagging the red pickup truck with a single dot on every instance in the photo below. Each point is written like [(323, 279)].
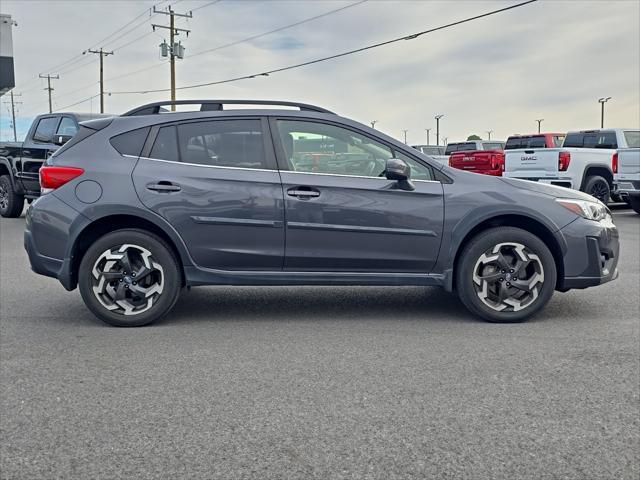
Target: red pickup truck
[(488, 157), (485, 157)]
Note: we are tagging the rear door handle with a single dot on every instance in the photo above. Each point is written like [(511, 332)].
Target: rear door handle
[(163, 187), (303, 193)]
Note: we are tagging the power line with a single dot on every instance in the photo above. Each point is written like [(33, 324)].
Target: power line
[(205, 5), (237, 42), (78, 103), (78, 57), (279, 29), (339, 55)]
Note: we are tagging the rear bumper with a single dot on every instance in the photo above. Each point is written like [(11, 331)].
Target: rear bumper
[(48, 266), (628, 187), (592, 255), (49, 223), (558, 181)]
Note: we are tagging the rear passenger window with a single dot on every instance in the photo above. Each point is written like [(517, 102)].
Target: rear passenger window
[(165, 146), (224, 143), (575, 140), (607, 140), (67, 127), (44, 130), (130, 143)]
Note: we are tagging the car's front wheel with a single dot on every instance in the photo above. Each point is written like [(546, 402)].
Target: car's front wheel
[(129, 278), (505, 274)]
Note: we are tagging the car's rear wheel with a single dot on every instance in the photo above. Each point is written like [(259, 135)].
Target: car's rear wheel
[(11, 204), (598, 187), (634, 202), (129, 278), (505, 274)]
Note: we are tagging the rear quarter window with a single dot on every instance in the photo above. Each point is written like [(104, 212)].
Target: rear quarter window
[(632, 138), (130, 143)]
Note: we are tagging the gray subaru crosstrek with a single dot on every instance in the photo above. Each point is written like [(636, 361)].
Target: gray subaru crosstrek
[(136, 207)]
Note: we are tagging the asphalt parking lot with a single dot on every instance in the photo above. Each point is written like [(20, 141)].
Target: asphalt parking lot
[(322, 382)]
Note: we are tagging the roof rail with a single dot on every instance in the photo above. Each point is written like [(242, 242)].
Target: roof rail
[(217, 105)]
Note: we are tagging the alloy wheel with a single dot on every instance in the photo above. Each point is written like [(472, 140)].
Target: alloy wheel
[(600, 191), (508, 277), (127, 280)]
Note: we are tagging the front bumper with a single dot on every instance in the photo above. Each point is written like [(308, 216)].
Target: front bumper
[(593, 250)]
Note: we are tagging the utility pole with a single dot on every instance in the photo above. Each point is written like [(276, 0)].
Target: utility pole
[(405, 136), (427, 130), (373, 123), (539, 120), (602, 101), (102, 55), (438, 117), (175, 49), (13, 113), (489, 132), (49, 88)]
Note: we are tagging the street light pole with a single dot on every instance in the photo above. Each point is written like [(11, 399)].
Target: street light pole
[(602, 101), (405, 136), (489, 132), (373, 123), (539, 120), (427, 130), (438, 117)]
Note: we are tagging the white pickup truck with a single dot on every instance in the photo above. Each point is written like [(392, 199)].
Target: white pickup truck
[(585, 161), (627, 177), (434, 151)]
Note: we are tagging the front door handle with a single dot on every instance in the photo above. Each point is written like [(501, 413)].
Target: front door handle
[(303, 192), (163, 186)]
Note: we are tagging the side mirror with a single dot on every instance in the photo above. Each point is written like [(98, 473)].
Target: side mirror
[(61, 139), (396, 169)]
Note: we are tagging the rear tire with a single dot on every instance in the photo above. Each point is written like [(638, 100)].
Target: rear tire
[(634, 202), (11, 204), (598, 187), (505, 275), (129, 278)]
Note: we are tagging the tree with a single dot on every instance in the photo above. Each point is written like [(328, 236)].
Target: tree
[(473, 137)]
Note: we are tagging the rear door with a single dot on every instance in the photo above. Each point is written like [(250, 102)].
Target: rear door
[(217, 184), (36, 149), (342, 214)]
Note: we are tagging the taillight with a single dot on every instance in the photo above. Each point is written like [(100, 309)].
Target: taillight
[(614, 163), (52, 176), (450, 160), (564, 159)]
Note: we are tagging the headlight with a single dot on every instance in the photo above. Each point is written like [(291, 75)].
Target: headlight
[(585, 208)]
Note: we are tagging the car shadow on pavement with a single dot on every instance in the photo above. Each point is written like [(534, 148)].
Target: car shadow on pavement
[(315, 303)]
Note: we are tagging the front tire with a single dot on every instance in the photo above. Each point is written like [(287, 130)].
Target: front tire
[(11, 204), (598, 187), (505, 274), (129, 278)]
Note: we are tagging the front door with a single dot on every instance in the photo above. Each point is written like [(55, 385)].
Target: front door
[(216, 183), (342, 214)]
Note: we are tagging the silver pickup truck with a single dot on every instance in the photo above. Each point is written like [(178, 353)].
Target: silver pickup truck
[(627, 176)]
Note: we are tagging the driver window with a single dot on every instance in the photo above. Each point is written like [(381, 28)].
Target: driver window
[(323, 148), (418, 171)]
